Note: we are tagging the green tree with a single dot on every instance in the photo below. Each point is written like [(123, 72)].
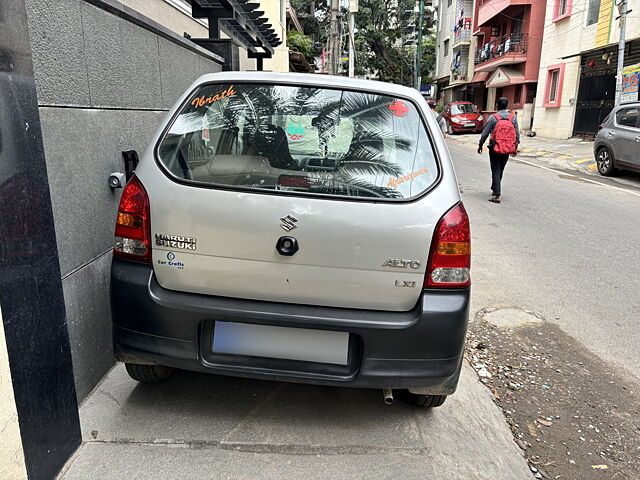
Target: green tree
[(428, 64), (385, 41), (314, 17), (301, 43)]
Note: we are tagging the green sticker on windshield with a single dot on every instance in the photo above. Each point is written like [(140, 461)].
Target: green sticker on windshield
[(295, 130)]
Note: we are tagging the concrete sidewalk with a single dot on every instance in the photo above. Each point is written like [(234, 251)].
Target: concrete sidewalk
[(572, 153), (199, 426)]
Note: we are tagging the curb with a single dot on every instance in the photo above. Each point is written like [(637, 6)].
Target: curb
[(586, 162), (578, 162)]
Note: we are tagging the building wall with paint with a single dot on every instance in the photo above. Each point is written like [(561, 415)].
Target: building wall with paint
[(562, 42), (176, 15), (566, 41), (446, 14), (274, 11), (104, 83), (173, 14)]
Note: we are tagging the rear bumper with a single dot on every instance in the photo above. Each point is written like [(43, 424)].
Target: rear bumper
[(456, 127), (415, 349)]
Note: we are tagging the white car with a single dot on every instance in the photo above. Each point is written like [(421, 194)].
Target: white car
[(295, 227)]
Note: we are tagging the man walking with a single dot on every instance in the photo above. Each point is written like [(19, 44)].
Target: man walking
[(441, 122), (505, 137)]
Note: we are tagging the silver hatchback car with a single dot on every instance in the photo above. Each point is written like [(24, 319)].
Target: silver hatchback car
[(617, 144), (295, 227)]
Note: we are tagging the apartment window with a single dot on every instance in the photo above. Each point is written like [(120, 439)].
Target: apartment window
[(553, 89), (495, 31), (593, 12), (446, 47), (562, 9), (563, 6), (517, 96), (532, 89), (553, 92)]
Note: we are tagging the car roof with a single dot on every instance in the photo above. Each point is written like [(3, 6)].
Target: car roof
[(316, 80)]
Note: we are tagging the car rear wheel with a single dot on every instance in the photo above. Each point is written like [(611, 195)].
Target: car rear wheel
[(604, 161), (421, 401), (149, 374)]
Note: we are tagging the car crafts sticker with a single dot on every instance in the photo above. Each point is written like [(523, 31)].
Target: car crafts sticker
[(172, 261)]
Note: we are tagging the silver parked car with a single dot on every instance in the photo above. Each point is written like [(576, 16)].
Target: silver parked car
[(295, 227), (617, 144)]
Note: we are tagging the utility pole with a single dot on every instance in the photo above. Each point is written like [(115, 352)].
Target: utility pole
[(353, 8), (419, 46), (334, 40), (622, 9)]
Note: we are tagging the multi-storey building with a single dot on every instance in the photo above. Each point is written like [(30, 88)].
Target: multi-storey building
[(578, 66), (455, 44), (507, 57)]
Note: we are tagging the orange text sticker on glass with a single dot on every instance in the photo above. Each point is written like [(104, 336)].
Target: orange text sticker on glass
[(394, 182), (201, 101)]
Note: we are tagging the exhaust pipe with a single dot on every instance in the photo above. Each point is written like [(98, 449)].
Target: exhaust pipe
[(387, 393)]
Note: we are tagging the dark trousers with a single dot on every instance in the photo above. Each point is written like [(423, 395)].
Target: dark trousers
[(498, 162)]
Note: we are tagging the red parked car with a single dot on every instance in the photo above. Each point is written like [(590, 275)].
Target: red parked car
[(462, 117)]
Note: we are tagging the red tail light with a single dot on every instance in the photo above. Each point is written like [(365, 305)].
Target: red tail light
[(133, 229), (599, 127), (450, 258)]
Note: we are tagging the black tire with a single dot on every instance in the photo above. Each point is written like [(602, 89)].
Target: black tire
[(150, 374), (421, 401), (605, 162)]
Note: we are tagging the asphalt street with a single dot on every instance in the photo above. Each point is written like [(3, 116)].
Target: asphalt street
[(560, 245)]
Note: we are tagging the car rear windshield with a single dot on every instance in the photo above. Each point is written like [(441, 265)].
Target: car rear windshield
[(301, 139), (463, 108)]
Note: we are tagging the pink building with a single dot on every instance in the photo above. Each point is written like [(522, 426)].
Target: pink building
[(507, 59)]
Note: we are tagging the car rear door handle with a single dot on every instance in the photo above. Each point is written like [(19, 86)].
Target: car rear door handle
[(637, 139), (610, 133)]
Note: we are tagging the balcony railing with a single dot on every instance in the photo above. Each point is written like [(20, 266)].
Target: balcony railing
[(512, 43), (459, 67), (459, 74), (462, 35)]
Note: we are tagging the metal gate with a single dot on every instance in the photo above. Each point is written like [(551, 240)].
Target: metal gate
[(596, 98), (597, 91)]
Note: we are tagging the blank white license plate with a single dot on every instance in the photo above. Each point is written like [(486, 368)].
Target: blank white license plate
[(469, 124), (281, 342)]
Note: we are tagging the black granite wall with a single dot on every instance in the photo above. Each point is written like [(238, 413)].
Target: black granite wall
[(31, 297)]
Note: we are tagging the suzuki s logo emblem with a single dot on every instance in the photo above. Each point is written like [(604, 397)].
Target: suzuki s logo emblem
[(288, 223)]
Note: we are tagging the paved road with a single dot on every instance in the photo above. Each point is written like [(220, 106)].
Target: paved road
[(559, 245), (199, 426)]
